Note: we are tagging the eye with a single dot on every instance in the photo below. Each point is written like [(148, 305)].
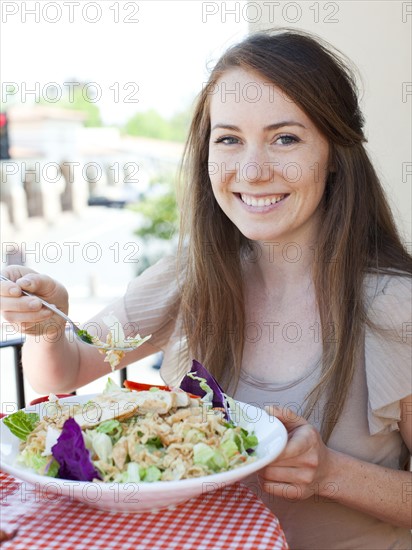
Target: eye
[(287, 139), (227, 140)]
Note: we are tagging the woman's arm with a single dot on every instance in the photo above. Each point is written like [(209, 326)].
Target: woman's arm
[(312, 468), (88, 365), (53, 362), (68, 364)]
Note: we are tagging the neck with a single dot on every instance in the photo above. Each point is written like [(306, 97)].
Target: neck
[(280, 267)]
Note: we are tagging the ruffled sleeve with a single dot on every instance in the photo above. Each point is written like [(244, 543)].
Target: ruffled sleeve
[(152, 304), (388, 353), (152, 301)]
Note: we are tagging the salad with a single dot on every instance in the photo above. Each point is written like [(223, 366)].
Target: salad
[(138, 433), (116, 338)]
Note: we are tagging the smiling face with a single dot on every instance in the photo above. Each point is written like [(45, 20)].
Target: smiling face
[(268, 163)]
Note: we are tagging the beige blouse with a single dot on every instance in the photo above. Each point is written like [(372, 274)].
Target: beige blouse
[(367, 428)]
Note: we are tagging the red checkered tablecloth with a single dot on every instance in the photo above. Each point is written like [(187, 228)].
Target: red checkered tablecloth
[(231, 518)]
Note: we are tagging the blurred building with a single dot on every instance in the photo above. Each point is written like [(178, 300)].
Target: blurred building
[(53, 163), (44, 132)]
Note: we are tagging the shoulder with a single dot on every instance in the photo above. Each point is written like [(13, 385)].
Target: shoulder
[(157, 288), (388, 283), (388, 338), (168, 271), (388, 298)]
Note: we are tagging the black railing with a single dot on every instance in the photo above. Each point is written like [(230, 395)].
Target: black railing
[(17, 345)]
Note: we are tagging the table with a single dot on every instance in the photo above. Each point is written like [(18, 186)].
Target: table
[(230, 518)]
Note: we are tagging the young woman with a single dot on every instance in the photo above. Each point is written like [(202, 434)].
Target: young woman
[(291, 285)]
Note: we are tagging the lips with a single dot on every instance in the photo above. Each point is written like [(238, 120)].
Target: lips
[(267, 200)]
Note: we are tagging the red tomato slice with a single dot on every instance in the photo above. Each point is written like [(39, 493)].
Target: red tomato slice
[(140, 386)]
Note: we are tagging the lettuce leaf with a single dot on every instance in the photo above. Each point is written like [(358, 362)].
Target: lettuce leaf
[(208, 456), (101, 444), (71, 454), (21, 424), (43, 465), (112, 428), (111, 386), (152, 474)]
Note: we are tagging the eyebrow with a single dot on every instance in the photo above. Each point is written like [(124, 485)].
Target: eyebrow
[(274, 126)]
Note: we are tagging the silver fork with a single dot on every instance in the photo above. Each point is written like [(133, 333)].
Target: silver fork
[(82, 335)]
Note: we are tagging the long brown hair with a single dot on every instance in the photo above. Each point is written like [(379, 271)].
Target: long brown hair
[(357, 231)]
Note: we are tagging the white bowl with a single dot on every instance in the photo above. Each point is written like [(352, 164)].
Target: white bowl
[(144, 497)]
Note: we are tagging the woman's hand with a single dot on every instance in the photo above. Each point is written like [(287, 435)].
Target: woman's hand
[(27, 312), (302, 469)]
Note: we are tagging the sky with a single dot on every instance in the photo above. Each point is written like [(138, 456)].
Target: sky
[(131, 56)]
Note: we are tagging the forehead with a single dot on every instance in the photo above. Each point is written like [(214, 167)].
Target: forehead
[(240, 91)]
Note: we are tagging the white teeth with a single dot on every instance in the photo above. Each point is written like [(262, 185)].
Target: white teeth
[(266, 201)]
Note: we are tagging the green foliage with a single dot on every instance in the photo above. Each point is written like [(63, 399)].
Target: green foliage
[(180, 123), (160, 215), (79, 103), (149, 124), (78, 100), (158, 208), (152, 124), (159, 219)]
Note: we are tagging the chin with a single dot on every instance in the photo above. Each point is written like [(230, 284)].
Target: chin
[(259, 235)]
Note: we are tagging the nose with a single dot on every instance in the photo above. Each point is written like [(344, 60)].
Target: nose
[(257, 166)]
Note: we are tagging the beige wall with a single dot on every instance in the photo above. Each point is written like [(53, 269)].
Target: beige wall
[(376, 35)]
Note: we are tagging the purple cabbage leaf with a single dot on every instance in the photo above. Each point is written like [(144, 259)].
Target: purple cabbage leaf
[(199, 381), (72, 455)]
